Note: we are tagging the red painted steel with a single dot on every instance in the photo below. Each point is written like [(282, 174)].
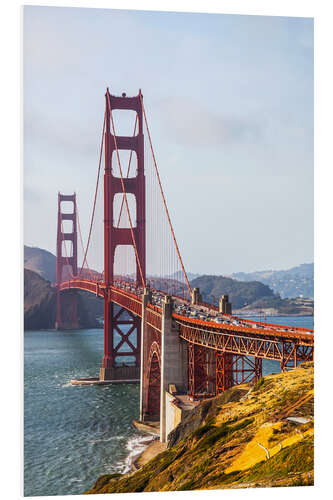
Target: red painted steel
[(114, 236), (153, 384), (243, 347), (224, 371), (202, 372), (67, 304)]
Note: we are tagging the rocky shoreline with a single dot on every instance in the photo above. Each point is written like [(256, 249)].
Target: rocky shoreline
[(153, 448)]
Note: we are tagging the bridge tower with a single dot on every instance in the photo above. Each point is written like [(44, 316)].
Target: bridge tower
[(66, 266), (115, 318)]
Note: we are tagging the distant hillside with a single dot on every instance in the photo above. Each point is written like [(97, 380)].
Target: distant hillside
[(40, 261), (44, 263), (295, 282), (250, 296), (284, 307), (40, 305), (179, 275), (240, 293)]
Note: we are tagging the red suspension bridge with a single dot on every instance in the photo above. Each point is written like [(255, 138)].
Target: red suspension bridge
[(156, 328)]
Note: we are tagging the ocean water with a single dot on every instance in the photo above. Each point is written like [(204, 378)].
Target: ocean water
[(74, 434)]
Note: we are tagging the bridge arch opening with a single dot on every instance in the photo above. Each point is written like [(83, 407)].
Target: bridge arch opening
[(154, 387)]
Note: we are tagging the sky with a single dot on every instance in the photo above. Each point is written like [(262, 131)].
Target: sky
[(229, 100)]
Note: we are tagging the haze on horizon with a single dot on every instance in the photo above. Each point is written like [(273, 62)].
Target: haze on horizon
[(230, 105)]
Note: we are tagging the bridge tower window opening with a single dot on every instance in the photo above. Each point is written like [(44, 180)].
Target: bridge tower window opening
[(67, 207), (125, 265), (128, 162), (67, 226), (120, 216), (67, 248), (125, 121)]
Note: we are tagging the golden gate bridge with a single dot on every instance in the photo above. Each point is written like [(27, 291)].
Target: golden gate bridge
[(157, 330)]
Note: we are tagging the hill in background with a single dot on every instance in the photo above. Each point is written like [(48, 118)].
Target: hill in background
[(294, 282), (40, 305), (40, 261), (247, 293), (250, 297), (240, 293)]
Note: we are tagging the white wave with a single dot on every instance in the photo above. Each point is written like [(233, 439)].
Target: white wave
[(135, 446), (113, 438)]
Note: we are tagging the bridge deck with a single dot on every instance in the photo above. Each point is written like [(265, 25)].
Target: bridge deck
[(227, 325)]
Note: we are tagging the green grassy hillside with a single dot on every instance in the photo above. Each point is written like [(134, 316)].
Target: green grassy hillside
[(224, 451)]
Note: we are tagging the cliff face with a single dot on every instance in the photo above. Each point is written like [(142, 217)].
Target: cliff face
[(39, 302), (40, 305), (251, 436)]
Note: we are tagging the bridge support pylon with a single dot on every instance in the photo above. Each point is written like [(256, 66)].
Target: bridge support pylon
[(146, 299), (122, 330), (66, 266), (173, 362)]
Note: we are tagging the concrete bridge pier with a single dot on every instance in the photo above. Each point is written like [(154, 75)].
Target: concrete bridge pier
[(174, 362), (146, 299), (196, 296)]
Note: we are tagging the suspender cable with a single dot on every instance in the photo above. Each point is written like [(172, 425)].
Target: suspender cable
[(95, 198), (163, 197), (124, 192), (82, 245)]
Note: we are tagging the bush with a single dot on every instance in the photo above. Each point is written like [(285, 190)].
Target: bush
[(198, 433)]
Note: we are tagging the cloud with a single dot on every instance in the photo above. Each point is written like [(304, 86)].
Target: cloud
[(190, 124)]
